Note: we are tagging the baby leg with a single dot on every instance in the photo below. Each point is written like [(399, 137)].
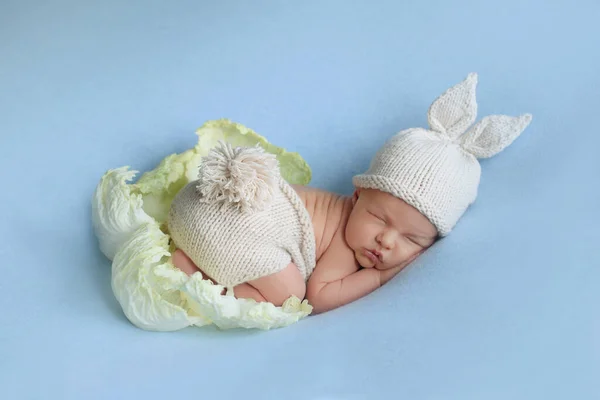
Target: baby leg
[(278, 287), (184, 263), (275, 288)]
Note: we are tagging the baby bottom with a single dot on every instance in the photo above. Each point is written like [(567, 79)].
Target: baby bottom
[(275, 288)]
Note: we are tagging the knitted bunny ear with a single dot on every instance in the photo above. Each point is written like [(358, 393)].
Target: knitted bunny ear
[(455, 110), (493, 134)]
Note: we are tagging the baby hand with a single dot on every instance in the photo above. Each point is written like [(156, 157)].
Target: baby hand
[(386, 274)]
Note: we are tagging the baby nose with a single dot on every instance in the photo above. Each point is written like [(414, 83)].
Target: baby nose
[(385, 239)]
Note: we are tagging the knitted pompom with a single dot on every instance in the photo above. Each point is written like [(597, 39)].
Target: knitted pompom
[(245, 177)]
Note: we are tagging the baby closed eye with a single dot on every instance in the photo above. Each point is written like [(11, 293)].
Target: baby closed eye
[(377, 216), (416, 241)]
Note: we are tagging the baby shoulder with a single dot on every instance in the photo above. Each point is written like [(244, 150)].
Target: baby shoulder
[(328, 212)]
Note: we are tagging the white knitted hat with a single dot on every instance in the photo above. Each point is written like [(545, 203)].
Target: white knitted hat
[(436, 171)]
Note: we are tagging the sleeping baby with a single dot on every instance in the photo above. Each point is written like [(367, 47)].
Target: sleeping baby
[(243, 226)]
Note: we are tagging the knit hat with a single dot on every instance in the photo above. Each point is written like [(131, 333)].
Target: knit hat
[(436, 170), (241, 220)]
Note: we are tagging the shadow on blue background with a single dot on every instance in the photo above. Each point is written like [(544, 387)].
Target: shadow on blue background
[(505, 307)]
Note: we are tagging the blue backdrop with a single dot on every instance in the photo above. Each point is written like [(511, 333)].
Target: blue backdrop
[(505, 307)]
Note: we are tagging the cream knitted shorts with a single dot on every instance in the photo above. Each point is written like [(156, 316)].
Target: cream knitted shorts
[(234, 247)]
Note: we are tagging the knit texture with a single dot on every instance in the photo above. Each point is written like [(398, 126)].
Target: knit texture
[(436, 170), (240, 220)]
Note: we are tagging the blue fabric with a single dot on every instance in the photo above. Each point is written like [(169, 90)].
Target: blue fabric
[(505, 307)]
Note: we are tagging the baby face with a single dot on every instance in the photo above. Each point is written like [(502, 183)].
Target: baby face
[(385, 232)]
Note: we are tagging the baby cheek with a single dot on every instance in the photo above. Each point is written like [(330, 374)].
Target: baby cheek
[(404, 253), (351, 235), (368, 233)]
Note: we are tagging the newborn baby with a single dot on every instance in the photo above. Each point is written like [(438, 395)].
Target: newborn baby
[(250, 231), (361, 243)]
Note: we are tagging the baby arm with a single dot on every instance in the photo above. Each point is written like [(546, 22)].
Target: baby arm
[(338, 280)]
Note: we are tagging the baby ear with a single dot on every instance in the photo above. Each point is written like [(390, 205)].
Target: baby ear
[(455, 110), (493, 134), (355, 196)]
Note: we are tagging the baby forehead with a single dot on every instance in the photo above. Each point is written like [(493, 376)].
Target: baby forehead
[(390, 204), (378, 197)]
